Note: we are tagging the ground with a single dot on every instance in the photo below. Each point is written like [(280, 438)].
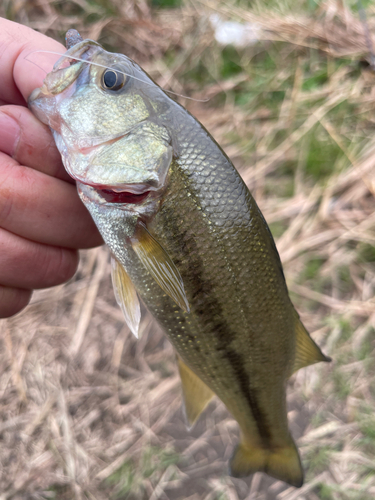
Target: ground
[(89, 412)]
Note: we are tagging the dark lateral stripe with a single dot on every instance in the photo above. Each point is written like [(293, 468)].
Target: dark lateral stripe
[(238, 365), (205, 304)]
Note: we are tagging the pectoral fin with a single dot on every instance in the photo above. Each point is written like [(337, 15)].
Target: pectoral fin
[(158, 263), (282, 463), (307, 352), (195, 393), (126, 296)]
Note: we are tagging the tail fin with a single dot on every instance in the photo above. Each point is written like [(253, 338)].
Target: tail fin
[(280, 463)]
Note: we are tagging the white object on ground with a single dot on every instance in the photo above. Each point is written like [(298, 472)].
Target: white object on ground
[(234, 33)]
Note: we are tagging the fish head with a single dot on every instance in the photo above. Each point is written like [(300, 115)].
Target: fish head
[(105, 115)]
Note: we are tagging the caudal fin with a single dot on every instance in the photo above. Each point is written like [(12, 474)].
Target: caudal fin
[(281, 463)]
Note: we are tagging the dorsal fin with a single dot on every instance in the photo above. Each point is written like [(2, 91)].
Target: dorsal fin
[(307, 352), (195, 393), (126, 296)]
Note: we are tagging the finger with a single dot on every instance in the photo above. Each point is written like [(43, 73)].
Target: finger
[(30, 265), (42, 208), (13, 300), (21, 68), (27, 140)]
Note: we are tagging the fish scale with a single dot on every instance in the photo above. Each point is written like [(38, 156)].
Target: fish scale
[(193, 246), (233, 314)]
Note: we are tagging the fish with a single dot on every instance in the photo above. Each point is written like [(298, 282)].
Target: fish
[(187, 239)]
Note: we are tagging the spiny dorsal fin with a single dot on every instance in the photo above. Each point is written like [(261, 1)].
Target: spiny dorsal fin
[(195, 393), (307, 352), (126, 296), (158, 263)]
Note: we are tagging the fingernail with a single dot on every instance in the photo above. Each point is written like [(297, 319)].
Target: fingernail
[(10, 133)]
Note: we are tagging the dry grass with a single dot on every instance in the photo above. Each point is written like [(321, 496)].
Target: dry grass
[(88, 412)]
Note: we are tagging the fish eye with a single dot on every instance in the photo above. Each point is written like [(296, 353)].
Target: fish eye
[(113, 80)]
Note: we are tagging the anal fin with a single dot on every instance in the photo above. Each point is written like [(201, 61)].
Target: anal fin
[(126, 296), (307, 352), (195, 393), (281, 463)]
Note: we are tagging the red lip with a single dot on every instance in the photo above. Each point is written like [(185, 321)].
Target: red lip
[(124, 197)]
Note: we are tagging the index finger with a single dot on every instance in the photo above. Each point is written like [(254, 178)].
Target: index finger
[(21, 68)]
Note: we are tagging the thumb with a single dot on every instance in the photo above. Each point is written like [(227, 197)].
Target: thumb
[(22, 67)]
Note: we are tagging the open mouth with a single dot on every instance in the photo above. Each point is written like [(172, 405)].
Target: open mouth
[(121, 194), (122, 197)]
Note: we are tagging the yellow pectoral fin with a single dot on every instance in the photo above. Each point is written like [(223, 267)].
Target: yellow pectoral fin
[(158, 263), (195, 393), (280, 463), (126, 296), (307, 352)]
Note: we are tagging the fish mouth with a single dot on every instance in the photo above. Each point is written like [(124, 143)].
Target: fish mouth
[(119, 192), (108, 188), (120, 195)]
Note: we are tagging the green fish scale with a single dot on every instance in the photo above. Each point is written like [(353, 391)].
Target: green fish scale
[(241, 318)]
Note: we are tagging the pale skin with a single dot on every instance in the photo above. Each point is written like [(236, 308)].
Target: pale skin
[(42, 221)]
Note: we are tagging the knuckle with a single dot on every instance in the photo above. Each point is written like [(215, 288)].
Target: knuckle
[(27, 265), (6, 204), (6, 192), (12, 176), (60, 265)]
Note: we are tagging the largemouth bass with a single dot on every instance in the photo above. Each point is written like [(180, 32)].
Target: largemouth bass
[(187, 237)]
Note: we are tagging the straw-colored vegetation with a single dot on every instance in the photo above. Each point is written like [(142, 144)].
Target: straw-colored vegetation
[(88, 412)]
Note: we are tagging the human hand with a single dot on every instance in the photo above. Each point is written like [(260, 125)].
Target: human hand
[(42, 221)]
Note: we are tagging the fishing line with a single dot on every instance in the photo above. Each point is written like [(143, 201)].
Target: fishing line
[(106, 67), (32, 62)]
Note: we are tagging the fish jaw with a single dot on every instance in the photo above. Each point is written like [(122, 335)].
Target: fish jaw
[(116, 209), (138, 159)]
